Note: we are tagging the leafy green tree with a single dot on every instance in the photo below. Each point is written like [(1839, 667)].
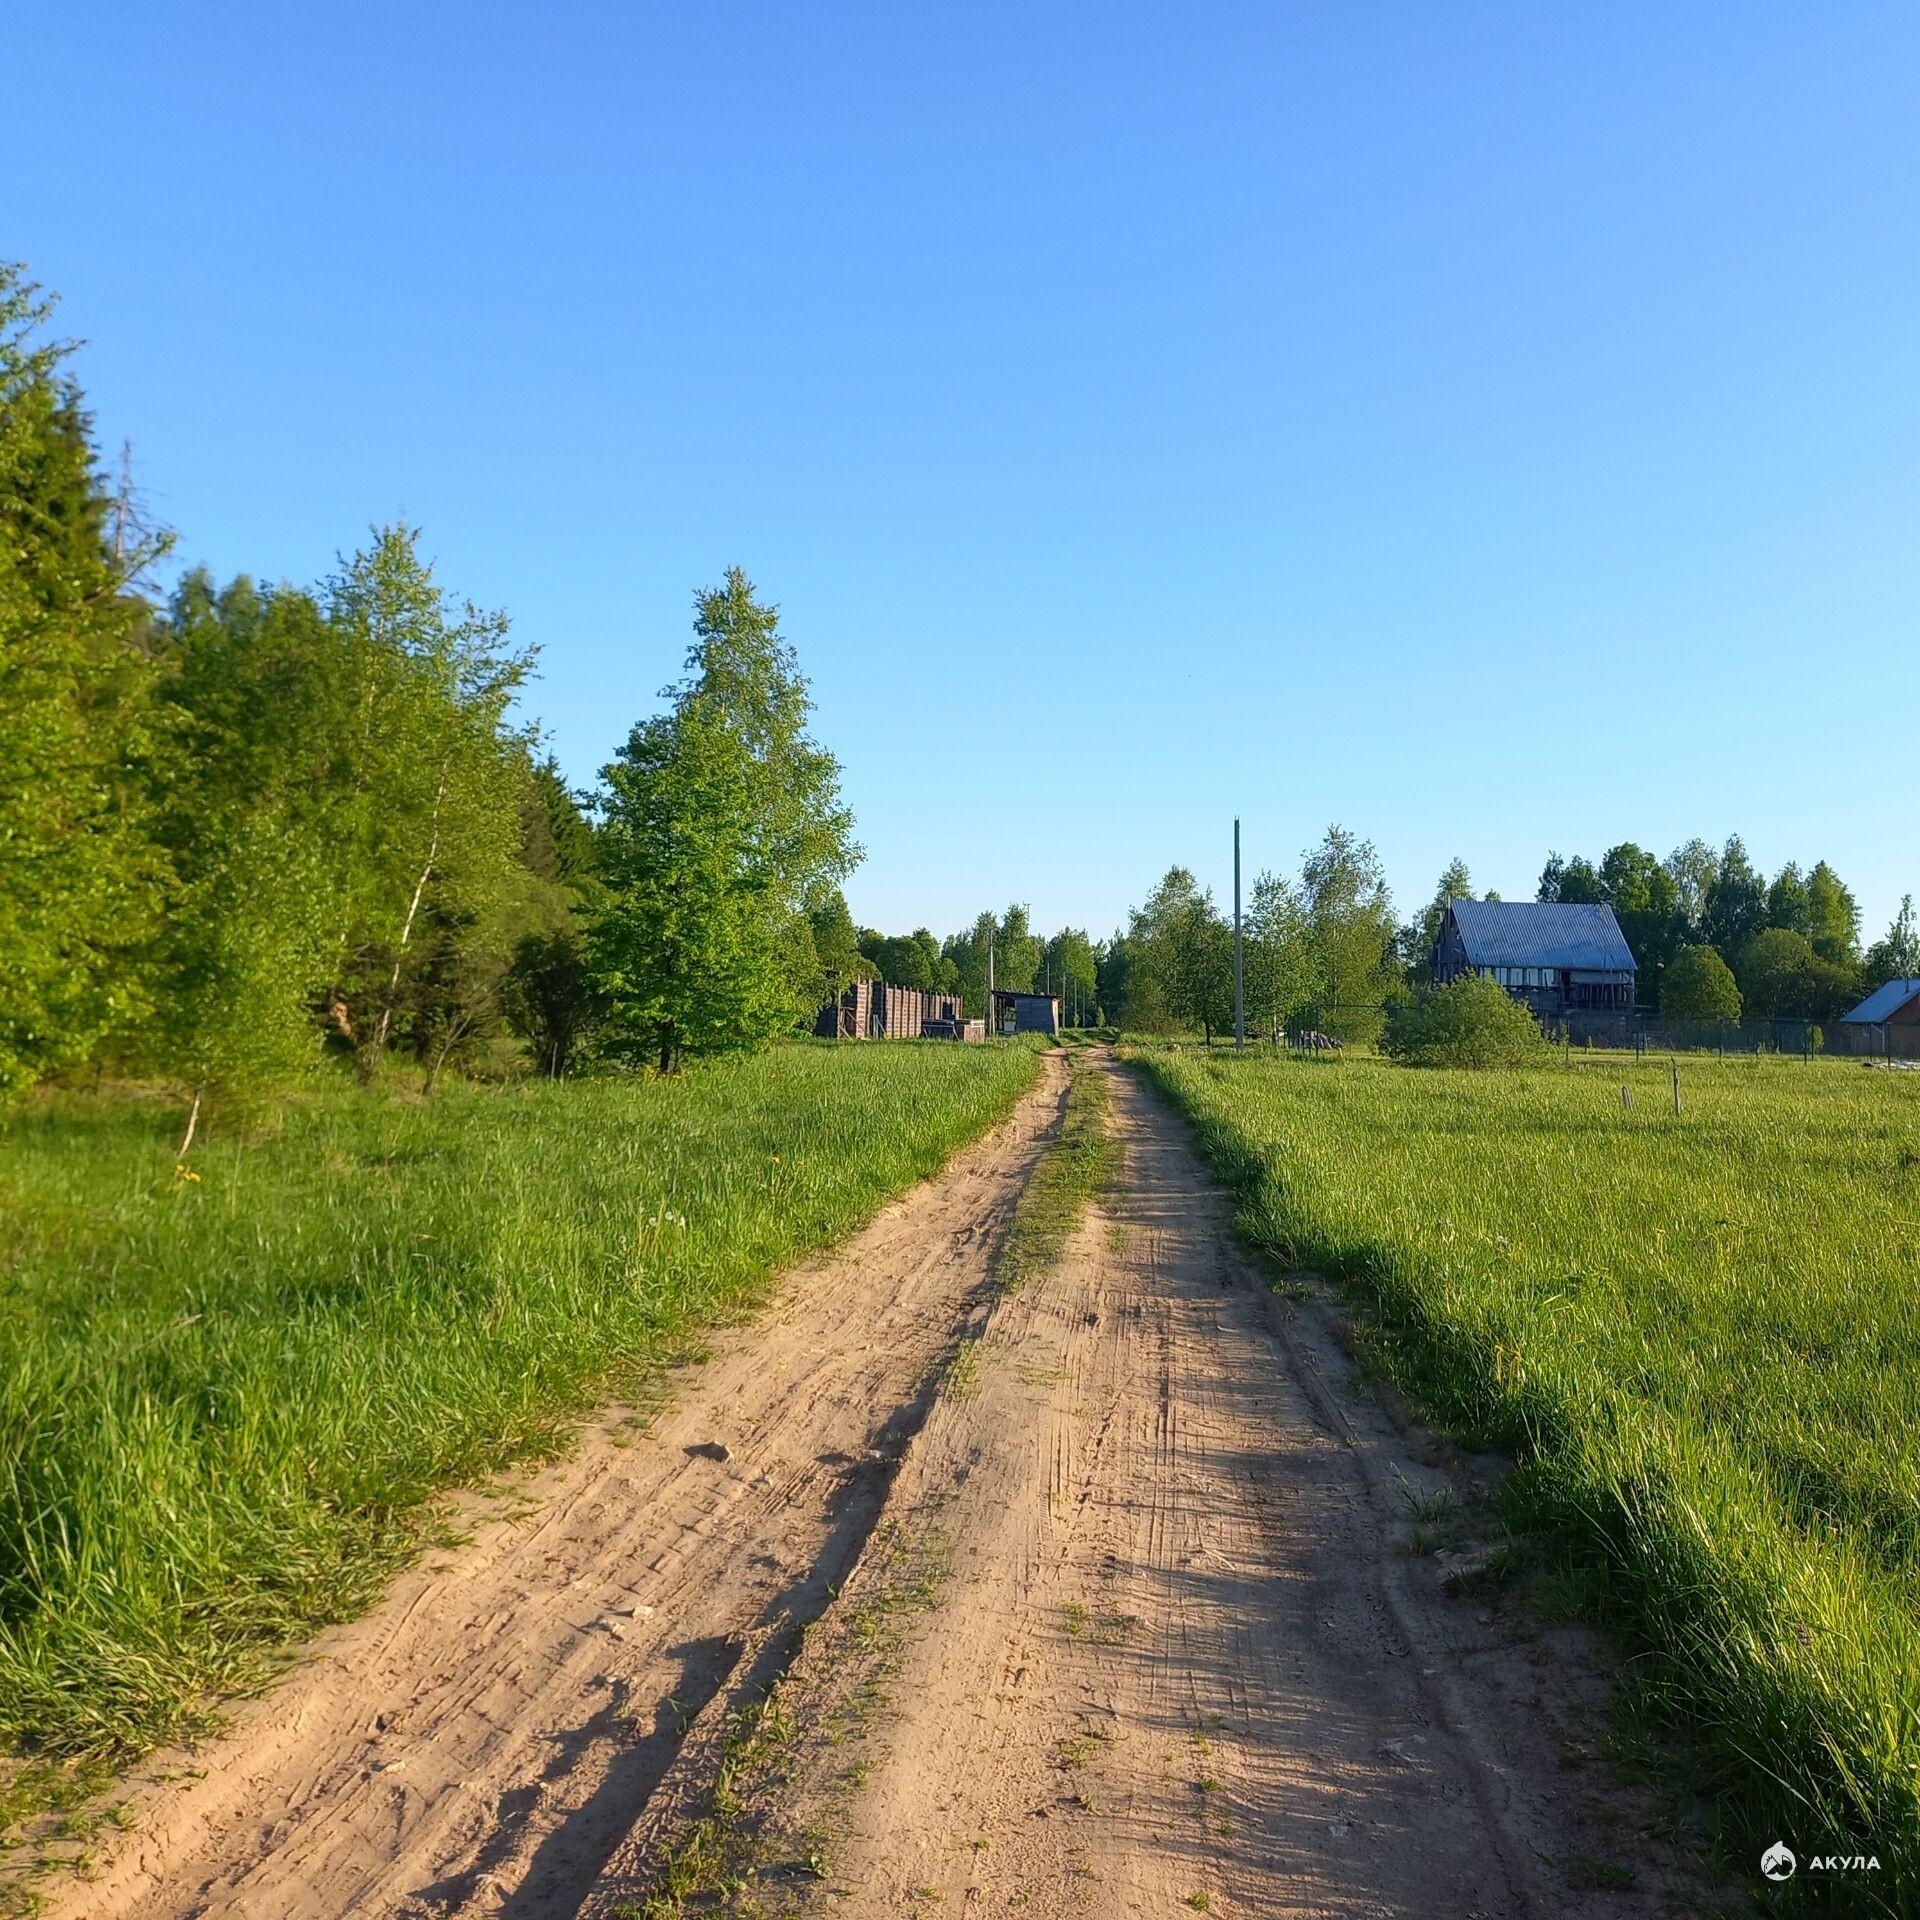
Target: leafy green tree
[(246, 812), (1774, 972), (1350, 922), (550, 997), (1897, 957), (437, 775), (1471, 1021), (1417, 937), (1645, 900), (1072, 968), (1188, 952), (836, 945), (1573, 882), (1789, 906), (1692, 866), (80, 879), (904, 959), (1129, 997), (966, 954), (1017, 954), (1278, 963), (1833, 917), (1699, 985), (1782, 978), (1736, 900), (721, 819)]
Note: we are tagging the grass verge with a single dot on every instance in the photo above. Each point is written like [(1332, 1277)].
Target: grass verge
[(230, 1390), (1698, 1332), (1081, 1163)]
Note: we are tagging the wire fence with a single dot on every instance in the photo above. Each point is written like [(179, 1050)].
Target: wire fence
[(1331, 1029)]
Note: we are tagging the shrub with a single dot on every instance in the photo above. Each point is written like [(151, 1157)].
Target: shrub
[(1470, 1022), (1699, 985)]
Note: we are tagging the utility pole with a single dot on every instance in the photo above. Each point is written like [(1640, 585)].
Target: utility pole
[(1239, 994), (993, 1013)]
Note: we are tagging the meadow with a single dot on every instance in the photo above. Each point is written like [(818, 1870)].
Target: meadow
[(230, 1389), (1700, 1334)]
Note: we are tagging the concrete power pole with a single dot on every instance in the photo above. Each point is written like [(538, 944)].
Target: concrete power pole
[(1239, 995)]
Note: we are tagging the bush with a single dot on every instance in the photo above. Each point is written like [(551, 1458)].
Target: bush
[(1470, 1022), (1699, 985)]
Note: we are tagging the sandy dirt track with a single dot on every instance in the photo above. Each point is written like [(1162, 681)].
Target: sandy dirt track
[(1115, 1615), (479, 1742), (1178, 1656)]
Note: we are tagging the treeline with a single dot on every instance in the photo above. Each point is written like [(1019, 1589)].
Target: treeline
[(1714, 940), (243, 825), (1319, 950), (1006, 946)]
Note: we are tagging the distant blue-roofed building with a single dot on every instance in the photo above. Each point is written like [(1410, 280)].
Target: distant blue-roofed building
[(1556, 958), (1886, 1022)]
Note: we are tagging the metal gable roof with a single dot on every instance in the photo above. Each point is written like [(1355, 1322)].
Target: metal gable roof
[(1884, 1001), (1541, 933)]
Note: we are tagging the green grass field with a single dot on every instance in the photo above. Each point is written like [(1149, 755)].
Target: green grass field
[(228, 1391), (1700, 1332)]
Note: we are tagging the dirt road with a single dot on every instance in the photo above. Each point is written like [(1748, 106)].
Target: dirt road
[(1145, 1634), (1118, 1617), (479, 1742)]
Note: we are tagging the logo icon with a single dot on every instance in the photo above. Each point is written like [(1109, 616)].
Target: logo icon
[(1778, 1863)]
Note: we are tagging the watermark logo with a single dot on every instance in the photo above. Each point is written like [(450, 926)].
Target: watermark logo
[(1780, 1863)]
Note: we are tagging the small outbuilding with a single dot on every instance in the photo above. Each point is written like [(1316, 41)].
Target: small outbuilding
[(1026, 1012), (1555, 958), (873, 1010), (1886, 1023)]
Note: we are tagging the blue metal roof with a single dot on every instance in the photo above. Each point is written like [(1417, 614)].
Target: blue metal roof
[(1884, 1001), (1541, 933)]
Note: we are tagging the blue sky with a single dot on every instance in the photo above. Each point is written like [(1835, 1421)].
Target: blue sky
[(1491, 427)]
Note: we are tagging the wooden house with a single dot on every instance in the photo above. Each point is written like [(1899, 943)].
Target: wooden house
[(1555, 958)]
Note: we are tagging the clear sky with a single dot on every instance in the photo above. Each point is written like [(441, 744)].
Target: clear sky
[(1491, 427)]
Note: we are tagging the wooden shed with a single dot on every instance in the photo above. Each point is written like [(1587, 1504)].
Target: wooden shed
[(1026, 1012)]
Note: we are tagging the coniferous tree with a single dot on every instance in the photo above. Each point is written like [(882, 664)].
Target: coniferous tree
[(79, 874)]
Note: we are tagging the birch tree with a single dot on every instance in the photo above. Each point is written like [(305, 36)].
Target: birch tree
[(721, 819)]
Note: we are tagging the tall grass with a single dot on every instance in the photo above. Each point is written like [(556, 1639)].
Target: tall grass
[(1702, 1333), (226, 1391)]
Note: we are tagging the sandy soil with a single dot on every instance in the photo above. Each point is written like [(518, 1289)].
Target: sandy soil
[(1178, 1655), (1115, 1614), (479, 1742)]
